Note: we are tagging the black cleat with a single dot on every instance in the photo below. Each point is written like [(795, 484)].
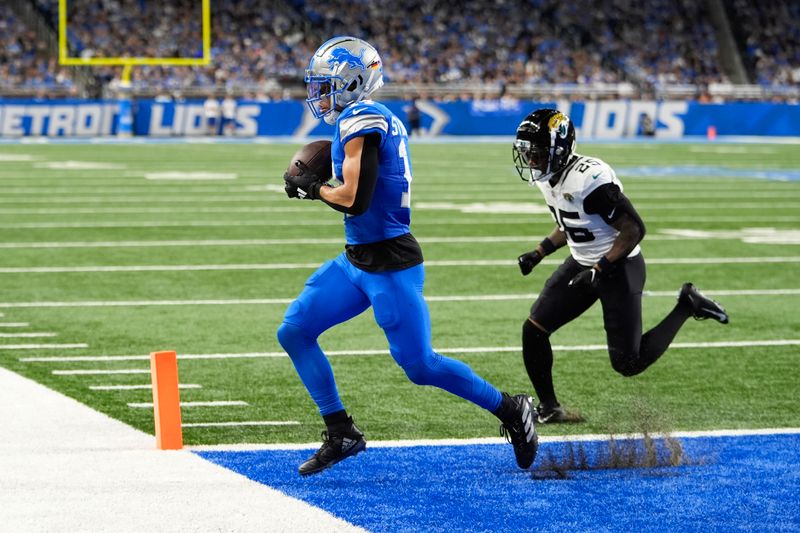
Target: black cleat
[(702, 306), (520, 429), (555, 414), (337, 445), (546, 414)]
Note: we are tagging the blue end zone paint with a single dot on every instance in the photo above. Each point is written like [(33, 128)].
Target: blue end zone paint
[(736, 483)]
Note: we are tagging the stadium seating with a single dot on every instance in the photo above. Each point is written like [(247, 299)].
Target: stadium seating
[(260, 46)]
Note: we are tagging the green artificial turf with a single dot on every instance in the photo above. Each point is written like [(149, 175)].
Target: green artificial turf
[(694, 388)]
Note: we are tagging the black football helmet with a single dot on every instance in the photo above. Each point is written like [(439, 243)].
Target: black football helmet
[(544, 144)]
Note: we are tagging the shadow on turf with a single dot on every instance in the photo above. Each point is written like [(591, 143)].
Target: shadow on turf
[(652, 448)]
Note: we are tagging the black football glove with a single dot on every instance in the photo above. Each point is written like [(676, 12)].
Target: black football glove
[(304, 186), (587, 279), (527, 261)]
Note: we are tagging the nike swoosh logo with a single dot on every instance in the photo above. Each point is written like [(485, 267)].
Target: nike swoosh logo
[(359, 110), (597, 175), (714, 312), (544, 419), (611, 214)]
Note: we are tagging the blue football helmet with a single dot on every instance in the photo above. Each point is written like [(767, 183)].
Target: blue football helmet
[(342, 71)]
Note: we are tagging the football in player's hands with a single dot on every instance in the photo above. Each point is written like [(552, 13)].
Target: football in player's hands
[(313, 158), (309, 168)]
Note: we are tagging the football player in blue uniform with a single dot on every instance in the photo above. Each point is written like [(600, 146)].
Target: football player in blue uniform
[(603, 230), (382, 262)]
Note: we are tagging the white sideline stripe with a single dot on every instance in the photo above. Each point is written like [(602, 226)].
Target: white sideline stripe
[(27, 335), (382, 351), (245, 423), (149, 386), (233, 403), (496, 440), (43, 346), (94, 372), (284, 301), (94, 456), (303, 266), (14, 324)]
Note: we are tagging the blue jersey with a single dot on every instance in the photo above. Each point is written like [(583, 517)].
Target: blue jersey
[(389, 213)]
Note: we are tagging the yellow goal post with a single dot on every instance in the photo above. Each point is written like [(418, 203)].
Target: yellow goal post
[(127, 62)]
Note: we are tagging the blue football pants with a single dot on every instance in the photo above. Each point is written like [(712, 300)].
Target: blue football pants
[(337, 292)]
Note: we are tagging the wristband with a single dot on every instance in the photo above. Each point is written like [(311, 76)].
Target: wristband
[(604, 264), (547, 246)]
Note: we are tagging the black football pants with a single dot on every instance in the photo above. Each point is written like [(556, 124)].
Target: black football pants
[(620, 294)]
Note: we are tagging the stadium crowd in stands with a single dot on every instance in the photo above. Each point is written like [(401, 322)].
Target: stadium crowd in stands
[(770, 34), (261, 44), (25, 63)]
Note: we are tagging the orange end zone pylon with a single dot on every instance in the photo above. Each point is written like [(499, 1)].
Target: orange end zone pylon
[(166, 400)]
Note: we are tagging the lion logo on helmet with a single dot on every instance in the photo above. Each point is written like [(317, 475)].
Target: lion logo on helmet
[(343, 55)]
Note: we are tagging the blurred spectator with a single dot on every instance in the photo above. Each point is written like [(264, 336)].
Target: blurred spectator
[(229, 115), (414, 117), (211, 112)]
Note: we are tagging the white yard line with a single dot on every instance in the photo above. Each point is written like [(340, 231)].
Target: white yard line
[(152, 210), (245, 423), (27, 335), (443, 221), (300, 242), (304, 266), (95, 372), (43, 346), (308, 209), (717, 433), (66, 467), (147, 386), (380, 351), (155, 199), (285, 301), (231, 403), (14, 324)]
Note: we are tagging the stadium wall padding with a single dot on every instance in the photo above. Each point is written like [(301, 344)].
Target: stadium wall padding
[(609, 119)]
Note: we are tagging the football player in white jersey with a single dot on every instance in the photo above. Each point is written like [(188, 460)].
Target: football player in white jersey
[(603, 231)]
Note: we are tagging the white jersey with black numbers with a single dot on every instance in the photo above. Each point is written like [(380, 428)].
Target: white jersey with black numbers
[(589, 237)]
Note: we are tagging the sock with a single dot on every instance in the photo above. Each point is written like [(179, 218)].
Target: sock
[(538, 357), (337, 420), (505, 411)]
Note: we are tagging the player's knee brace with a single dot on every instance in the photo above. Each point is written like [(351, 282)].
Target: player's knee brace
[(292, 338)]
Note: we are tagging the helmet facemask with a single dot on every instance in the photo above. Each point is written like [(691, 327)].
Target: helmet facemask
[(532, 162)]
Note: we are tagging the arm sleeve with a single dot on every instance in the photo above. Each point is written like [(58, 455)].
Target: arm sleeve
[(609, 202), (367, 178)]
